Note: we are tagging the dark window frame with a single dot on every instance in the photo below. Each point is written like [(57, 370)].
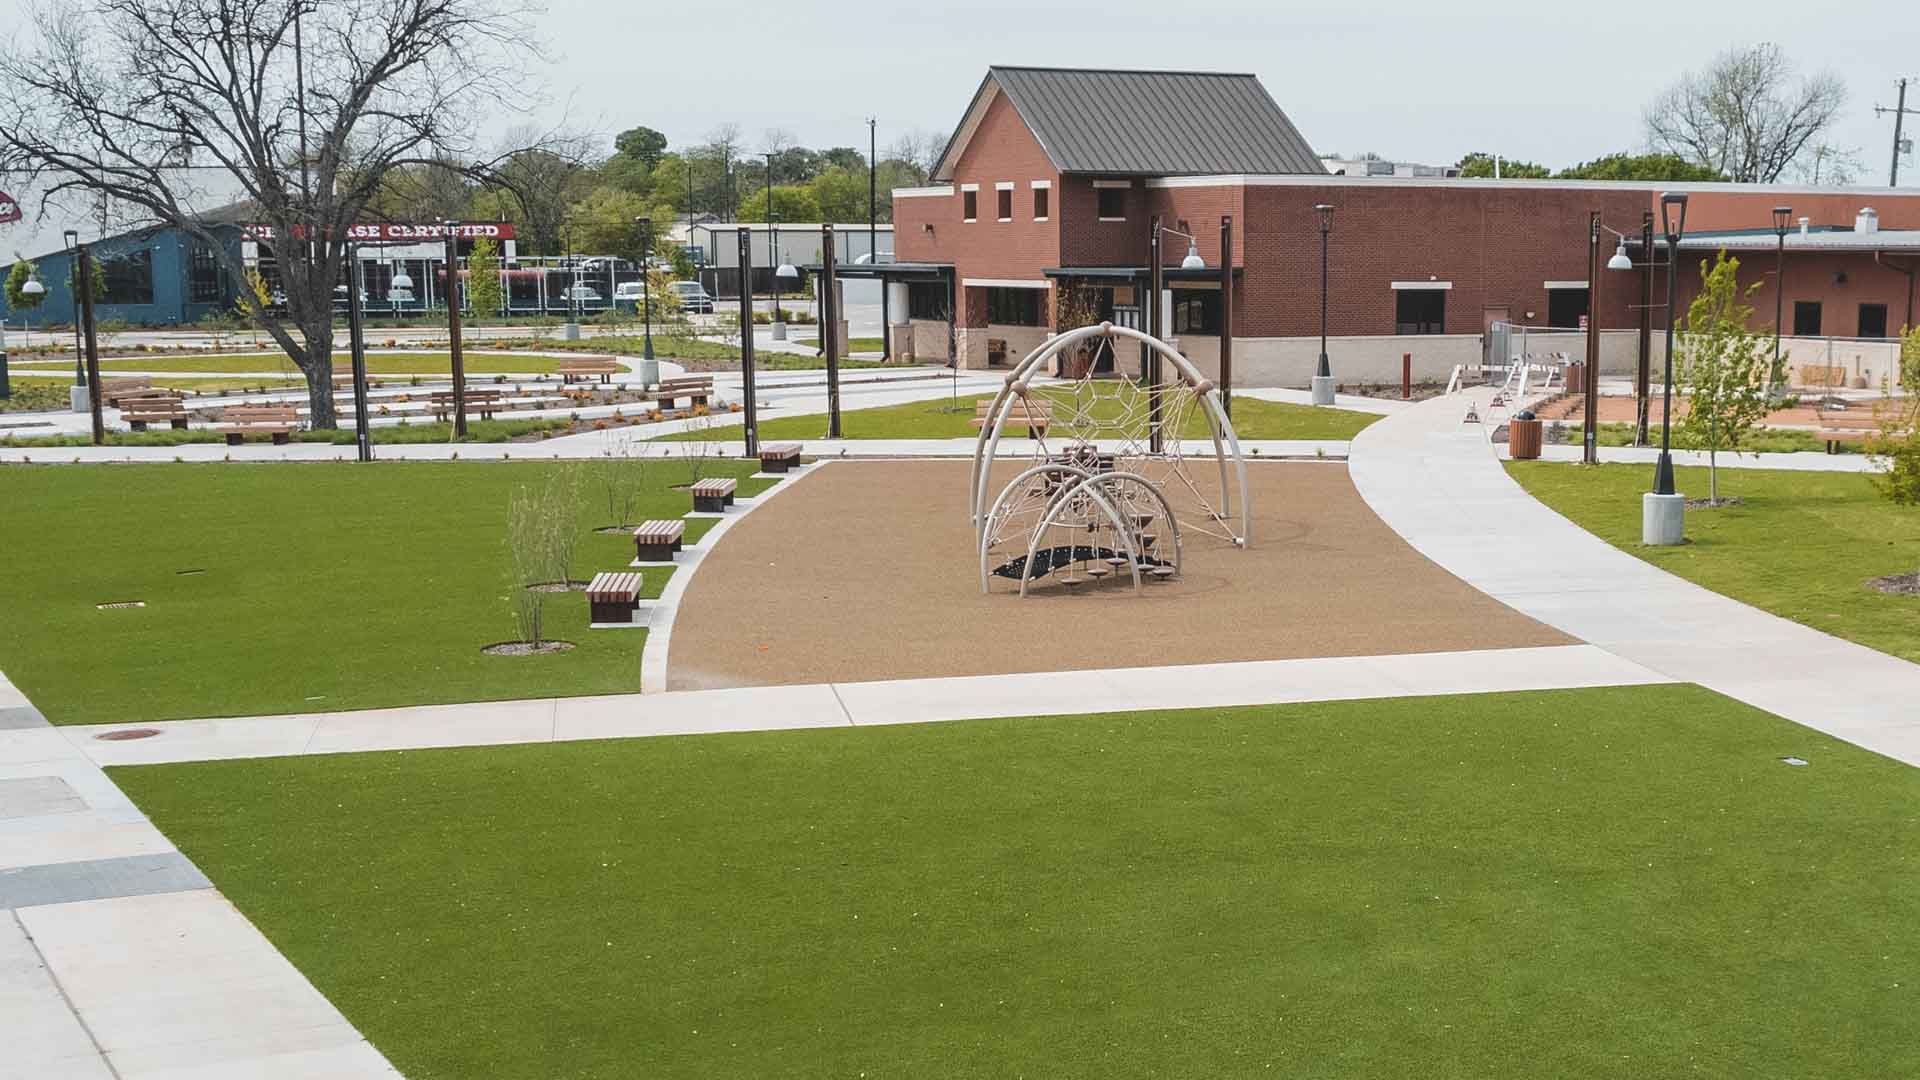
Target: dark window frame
[(128, 276), (1015, 307), (1003, 204), (1040, 197), (1863, 324), (928, 300), (1407, 320), (1807, 313), (1565, 298), (1196, 311), (1101, 207), (206, 277), (969, 206)]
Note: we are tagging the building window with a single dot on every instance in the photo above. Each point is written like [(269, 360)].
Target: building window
[(1806, 318), (1196, 311), (969, 205), (129, 277), (1004, 197), (204, 276), (1014, 307), (1565, 308), (927, 300), (1112, 203), (1040, 203), (1420, 311), (1873, 320)]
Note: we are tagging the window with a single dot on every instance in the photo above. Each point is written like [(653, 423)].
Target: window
[(203, 276), (1113, 203), (1196, 311), (1873, 320), (1004, 199), (969, 205), (1806, 318), (927, 300), (1565, 308), (1014, 307), (1040, 195), (1420, 311), (129, 277)]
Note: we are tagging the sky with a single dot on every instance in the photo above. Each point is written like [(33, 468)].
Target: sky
[(1425, 82)]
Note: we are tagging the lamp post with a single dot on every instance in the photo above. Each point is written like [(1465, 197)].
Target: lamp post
[(751, 426), (89, 346), (1782, 216), (1590, 388), (72, 239), (1226, 315), (1662, 510), (357, 351), (453, 330), (646, 289), (1643, 372), (1323, 375), (778, 324), (1156, 275), (829, 325)]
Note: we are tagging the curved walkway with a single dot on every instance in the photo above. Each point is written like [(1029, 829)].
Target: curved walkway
[(1444, 490)]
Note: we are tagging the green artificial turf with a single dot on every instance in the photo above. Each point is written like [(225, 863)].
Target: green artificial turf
[(1760, 441), (478, 362), (1801, 544), (315, 587), (943, 418), (430, 431), (1593, 883)]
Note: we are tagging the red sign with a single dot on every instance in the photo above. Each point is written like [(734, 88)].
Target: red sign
[(391, 233), (9, 209)]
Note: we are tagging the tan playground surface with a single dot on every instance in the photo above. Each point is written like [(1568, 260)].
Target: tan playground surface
[(866, 570)]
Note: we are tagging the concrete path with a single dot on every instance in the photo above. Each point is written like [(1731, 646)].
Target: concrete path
[(1445, 491), (118, 959)]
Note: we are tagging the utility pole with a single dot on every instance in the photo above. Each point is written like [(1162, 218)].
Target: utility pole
[(1900, 113)]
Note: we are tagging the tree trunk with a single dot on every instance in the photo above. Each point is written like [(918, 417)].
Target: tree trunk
[(318, 367)]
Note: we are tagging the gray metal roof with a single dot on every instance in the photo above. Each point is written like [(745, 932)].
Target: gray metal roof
[(1827, 240), (1147, 123)]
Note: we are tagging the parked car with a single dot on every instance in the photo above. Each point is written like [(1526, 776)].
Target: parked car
[(584, 294), (694, 298)]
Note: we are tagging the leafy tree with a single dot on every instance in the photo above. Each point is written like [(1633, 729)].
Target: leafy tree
[(844, 157), (484, 293), (1670, 168), (1480, 163), (791, 202), (1746, 115), (1896, 449), (603, 223), (17, 278), (642, 144), (1723, 366), (677, 255), (99, 280), (840, 195)]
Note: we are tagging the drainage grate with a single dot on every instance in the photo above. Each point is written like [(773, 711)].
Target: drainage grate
[(124, 734), (118, 604)]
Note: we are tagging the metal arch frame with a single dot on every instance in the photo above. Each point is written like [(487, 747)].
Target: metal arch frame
[(987, 442), (1046, 522), (1080, 476)]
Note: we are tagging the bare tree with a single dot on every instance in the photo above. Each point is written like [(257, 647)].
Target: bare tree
[(919, 150), (1747, 115), (110, 98), (1830, 166), (724, 146)]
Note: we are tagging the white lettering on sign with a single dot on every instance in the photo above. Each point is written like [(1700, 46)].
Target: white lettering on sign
[(392, 232)]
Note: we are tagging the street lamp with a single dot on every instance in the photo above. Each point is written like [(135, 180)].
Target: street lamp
[(1323, 375), (72, 239), (646, 285), (1662, 510), (1782, 216), (1590, 374)]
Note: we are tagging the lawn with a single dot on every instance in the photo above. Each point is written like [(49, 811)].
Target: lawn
[(1760, 441), (478, 362), (1593, 883), (429, 431), (1802, 544), (280, 588), (941, 418)]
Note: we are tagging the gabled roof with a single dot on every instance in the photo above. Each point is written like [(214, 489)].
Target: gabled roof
[(1142, 123)]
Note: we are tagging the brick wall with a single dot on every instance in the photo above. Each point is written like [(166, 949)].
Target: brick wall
[(1840, 283), (1001, 150)]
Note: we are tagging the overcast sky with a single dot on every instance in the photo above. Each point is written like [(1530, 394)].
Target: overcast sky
[(1551, 82)]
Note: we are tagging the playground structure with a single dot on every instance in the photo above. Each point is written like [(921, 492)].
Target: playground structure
[(1112, 491)]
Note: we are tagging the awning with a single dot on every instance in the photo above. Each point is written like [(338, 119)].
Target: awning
[(891, 271)]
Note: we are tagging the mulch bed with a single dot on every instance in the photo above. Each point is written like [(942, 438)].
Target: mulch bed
[(527, 648), (1896, 584)]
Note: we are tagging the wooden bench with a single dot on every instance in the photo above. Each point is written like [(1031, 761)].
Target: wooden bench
[(161, 408), (780, 457), (1035, 413), (602, 368), (483, 402), (713, 496), (114, 391), (658, 541), (613, 597), (239, 421), (696, 389)]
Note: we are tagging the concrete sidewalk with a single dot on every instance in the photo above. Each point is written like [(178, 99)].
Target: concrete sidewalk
[(1444, 490)]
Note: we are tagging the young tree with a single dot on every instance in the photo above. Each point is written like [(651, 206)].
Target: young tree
[(1723, 366), (106, 98), (483, 279), (1896, 449), (1747, 115)]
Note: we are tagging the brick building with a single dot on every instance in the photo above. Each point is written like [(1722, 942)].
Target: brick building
[(1047, 192)]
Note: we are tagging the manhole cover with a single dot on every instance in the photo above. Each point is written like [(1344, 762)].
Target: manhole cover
[(125, 734), (118, 604)]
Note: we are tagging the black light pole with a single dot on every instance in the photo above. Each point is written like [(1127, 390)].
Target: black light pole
[(1781, 216), (1643, 372), (357, 349), (1324, 370), (646, 282), (83, 289), (1590, 382), (830, 328), (73, 273), (1154, 274), (746, 342), (1673, 222), (453, 330), (873, 233), (1226, 315)]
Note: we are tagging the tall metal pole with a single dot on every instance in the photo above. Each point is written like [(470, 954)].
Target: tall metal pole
[(1899, 115), (1326, 225), (83, 277), (873, 234), (746, 343), (453, 330), (1590, 384), (72, 239), (1155, 439), (830, 328), (1777, 381), (1643, 373), (1663, 469), (1226, 314), (357, 346), (646, 283)]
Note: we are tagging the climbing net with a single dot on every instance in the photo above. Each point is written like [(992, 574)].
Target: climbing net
[(1122, 469)]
